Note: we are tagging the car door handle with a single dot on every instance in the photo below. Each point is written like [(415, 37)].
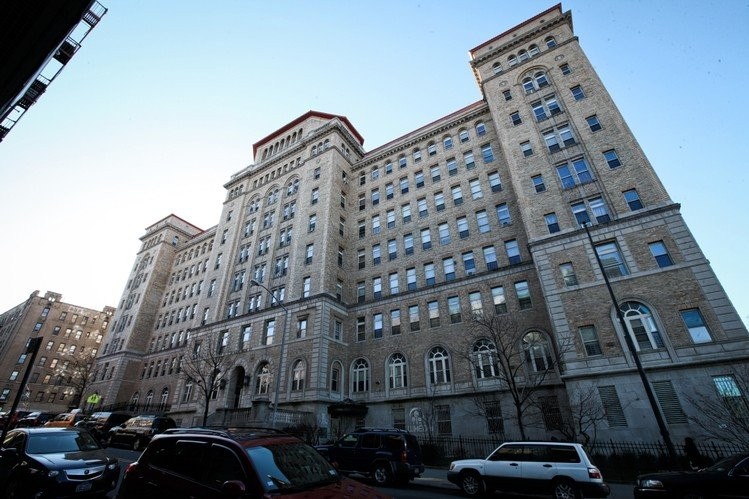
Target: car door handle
[(547, 466)]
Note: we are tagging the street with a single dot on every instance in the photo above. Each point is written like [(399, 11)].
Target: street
[(432, 484)]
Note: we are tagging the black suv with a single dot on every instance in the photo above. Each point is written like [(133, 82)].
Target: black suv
[(137, 432), (235, 463), (386, 454)]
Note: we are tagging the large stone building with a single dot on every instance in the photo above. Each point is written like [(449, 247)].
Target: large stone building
[(71, 336), (445, 281)]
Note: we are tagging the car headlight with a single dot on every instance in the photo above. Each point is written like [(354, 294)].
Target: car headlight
[(452, 466), (52, 473), (112, 466), (651, 483)]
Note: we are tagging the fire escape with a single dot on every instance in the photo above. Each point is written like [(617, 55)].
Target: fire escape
[(52, 67)]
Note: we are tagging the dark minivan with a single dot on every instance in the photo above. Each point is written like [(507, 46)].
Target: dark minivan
[(137, 432), (99, 424)]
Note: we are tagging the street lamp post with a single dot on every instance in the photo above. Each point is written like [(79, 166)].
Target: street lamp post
[(277, 388), (633, 351)]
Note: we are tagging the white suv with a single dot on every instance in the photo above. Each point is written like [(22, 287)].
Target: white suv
[(561, 469)]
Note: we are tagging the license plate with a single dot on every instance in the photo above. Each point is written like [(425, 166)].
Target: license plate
[(83, 487)]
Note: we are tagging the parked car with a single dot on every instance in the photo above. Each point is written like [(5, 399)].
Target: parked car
[(36, 418), (137, 432), (726, 478), (99, 424), (238, 463), (561, 469), (388, 455), (14, 418), (65, 419), (55, 462)]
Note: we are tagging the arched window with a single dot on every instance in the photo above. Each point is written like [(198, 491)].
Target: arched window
[(187, 392), (485, 359), (537, 352), (512, 61), (641, 326), (292, 187), (523, 55), (360, 375), (149, 401), (326, 144), (536, 81), (439, 366), (134, 401), (496, 68), (397, 371), (314, 150), (463, 135), (164, 399), (550, 41), (298, 373), (263, 379), (533, 50)]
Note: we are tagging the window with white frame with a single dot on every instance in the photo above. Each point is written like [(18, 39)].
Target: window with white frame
[(397, 377), (360, 376), (485, 359), (611, 259), (439, 366), (589, 338), (695, 323), (537, 351), (641, 326)]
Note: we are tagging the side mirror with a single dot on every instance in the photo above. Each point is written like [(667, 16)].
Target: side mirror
[(232, 488)]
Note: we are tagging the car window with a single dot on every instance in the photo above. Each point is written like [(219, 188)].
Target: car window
[(370, 442), (15, 440), (742, 468), (508, 453), (221, 465), (349, 440), (130, 422), (393, 442), (537, 453), (60, 442), (290, 466), (564, 454)]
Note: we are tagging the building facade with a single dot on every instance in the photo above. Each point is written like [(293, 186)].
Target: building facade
[(450, 281), (71, 337)]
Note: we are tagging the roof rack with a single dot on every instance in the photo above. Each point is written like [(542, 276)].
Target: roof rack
[(227, 432), (362, 429)]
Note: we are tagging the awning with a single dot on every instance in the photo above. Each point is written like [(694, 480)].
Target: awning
[(347, 407)]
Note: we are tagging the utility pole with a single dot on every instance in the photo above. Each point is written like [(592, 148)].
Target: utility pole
[(32, 347)]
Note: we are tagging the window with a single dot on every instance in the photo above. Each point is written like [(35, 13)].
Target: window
[(589, 337), (392, 249), (411, 278), (568, 274), (434, 313), (414, 322), (393, 280), (696, 324), (612, 159), (641, 326), (309, 254), (439, 200), (577, 92), (537, 352), (515, 118), (375, 224), (660, 253), (395, 321), (526, 148), (523, 294), (593, 123), (408, 243), (556, 137), (435, 173), (397, 371), (298, 372), (452, 165), (444, 233), (507, 95), (389, 167), (463, 135), (496, 68), (422, 207), (426, 239), (404, 185), (565, 68), (377, 287), (598, 207), (669, 402), (306, 288), (485, 359), (482, 219), (534, 82), (448, 266), (545, 108), (480, 128), (611, 260), (245, 337), (550, 42), (337, 330), (490, 258), (632, 199), (578, 175), (315, 196), (443, 419), (429, 275), (402, 162), (495, 182), (463, 227), (447, 142), (419, 179), (416, 155), (375, 197), (269, 330), (439, 366), (486, 153), (390, 218), (361, 329), (453, 309), (538, 183), (377, 325), (389, 190), (513, 251), (431, 149), (730, 391), (312, 223), (360, 376), (551, 222), (503, 214)]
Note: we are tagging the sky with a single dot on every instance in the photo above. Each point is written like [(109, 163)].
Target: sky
[(164, 100)]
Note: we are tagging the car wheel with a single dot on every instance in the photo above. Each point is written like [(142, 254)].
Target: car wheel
[(471, 483), (565, 490), (381, 474), (137, 444)]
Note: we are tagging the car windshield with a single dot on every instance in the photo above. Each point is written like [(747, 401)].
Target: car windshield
[(60, 442), (726, 464), (290, 466)]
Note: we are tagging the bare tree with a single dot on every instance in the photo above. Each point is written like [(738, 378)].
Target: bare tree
[(76, 372), (206, 365), (525, 362), (727, 421), (585, 412)]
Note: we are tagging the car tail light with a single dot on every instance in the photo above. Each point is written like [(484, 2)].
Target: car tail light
[(593, 472), (131, 467), (404, 457)]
